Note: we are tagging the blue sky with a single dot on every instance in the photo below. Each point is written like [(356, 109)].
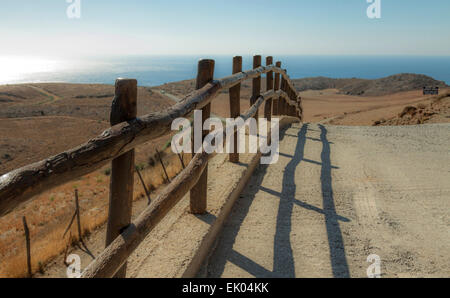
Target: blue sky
[(278, 27)]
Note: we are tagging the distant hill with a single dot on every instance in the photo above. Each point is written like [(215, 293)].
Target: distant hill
[(362, 87)]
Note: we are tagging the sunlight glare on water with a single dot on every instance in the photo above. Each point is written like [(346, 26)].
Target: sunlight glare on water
[(13, 69)]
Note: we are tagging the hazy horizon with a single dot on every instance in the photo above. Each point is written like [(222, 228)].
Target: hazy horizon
[(152, 70)]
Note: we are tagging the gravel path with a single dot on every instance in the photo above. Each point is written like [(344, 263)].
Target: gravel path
[(339, 194)]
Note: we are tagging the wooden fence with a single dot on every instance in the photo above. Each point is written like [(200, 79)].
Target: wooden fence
[(117, 145)]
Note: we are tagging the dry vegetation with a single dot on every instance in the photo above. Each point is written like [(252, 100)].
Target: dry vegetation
[(52, 118), (49, 214), (40, 120)]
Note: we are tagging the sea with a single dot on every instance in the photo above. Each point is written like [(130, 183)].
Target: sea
[(158, 70)]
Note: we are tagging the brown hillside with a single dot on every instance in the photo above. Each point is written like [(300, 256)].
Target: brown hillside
[(361, 87), (41, 120), (55, 117), (433, 110)]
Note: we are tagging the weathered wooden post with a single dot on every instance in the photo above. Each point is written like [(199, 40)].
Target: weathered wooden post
[(287, 107), (300, 105), (297, 104), (269, 86), (235, 105), (198, 194), (268, 105), (276, 101), (291, 108), (281, 110), (28, 243), (124, 108), (282, 102), (256, 89), (295, 99)]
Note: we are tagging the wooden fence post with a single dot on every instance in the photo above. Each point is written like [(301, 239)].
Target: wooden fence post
[(124, 108), (287, 107), (294, 98), (281, 101), (235, 106), (269, 86), (268, 106), (256, 89), (27, 239), (300, 105), (276, 88), (291, 108), (198, 194)]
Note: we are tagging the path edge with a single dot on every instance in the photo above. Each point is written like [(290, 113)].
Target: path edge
[(205, 247)]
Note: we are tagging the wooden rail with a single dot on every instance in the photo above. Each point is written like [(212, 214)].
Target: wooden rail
[(117, 145)]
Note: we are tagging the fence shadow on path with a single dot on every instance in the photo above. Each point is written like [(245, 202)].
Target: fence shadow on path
[(283, 262), (283, 254), (338, 258)]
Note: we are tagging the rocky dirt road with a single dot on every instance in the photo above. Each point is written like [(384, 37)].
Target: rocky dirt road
[(337, 195)]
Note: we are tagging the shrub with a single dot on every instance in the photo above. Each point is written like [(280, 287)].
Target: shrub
[(140, 166)]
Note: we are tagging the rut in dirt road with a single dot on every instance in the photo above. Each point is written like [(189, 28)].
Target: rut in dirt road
[(338, 195)]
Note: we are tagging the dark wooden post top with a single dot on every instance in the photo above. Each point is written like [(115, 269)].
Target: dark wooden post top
[(205, 73), (256, 86), (124, 106)]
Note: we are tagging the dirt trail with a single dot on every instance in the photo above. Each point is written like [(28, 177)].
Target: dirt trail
[(339, 194), (51, 96)]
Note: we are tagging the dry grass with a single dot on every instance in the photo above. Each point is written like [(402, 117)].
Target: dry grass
[(49, 214), (49, 117)]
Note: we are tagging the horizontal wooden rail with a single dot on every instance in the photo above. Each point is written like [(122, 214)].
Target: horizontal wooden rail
[(20, 185), (120, 140), (230, 81), (116, 254)]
